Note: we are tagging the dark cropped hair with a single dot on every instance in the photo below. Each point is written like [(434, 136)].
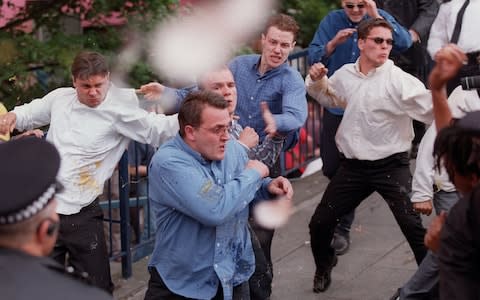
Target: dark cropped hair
[(459, 148), (367, 25), (89, 63), (191, 109), (284, 23)]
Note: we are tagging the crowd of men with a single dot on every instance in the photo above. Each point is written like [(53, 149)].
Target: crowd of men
[(217, 159)]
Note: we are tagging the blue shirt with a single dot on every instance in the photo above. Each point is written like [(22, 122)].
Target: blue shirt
[(201, 214), (348, 52), (282, 88)]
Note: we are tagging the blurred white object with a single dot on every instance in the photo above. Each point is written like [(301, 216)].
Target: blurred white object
[(313, 167), (187, 46), (272, 214)]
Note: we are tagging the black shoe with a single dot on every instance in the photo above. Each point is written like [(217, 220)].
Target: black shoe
[(341, 243), (396, 296), (322, 281)]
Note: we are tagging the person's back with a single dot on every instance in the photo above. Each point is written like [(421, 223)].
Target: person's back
[(29, 226), (26, 277)]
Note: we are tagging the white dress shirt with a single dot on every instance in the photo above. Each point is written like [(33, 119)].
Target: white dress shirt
[(442, 28), (426, 175), (379, 108), (91, 140)]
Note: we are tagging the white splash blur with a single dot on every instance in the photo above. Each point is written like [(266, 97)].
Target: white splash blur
[(187, 46), (273, 214)]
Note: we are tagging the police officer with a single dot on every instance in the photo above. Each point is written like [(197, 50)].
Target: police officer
[(29, 226)]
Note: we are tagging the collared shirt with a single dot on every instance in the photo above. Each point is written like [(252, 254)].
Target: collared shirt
[(267, 151), (282, 88), (426, 175), (347, 52), (442, 28), (379, 108), (92, 140), (460, 102), (201, 215)]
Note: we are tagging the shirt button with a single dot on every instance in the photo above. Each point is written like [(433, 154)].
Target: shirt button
[(251, 98), (218, 244), (215, 266), (258, 80), (249, 116)]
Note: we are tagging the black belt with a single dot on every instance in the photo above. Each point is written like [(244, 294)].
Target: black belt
[(474, 58)]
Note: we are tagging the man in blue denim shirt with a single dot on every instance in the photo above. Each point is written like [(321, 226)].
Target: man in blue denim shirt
[(203, 248), (268, 77), (335, 44)]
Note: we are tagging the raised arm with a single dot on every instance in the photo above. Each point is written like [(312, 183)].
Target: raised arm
[(448, 61), (320, 89)]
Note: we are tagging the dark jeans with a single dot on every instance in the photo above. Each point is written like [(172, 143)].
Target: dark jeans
[(331, 161), (354, 181), (81, 236), (157, 290), (260, 282)]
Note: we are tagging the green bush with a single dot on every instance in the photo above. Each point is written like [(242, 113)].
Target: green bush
[(308, 14)]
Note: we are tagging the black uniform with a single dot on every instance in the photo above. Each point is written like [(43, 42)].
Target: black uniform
[(26, 277), (459, 253)]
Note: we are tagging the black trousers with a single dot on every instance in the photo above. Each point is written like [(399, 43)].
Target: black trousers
[(354, 181), (331, 161), (81, 239), (157, 290)]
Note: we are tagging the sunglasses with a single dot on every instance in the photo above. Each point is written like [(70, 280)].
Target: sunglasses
[(379, 40), (352, 6)]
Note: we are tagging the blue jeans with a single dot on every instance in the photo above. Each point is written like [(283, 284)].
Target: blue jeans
[(424, 283)]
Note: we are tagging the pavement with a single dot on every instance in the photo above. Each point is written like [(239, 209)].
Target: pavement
[(378, 262)]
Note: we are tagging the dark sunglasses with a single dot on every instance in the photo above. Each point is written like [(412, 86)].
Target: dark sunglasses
[(352, 6), (379, 40)]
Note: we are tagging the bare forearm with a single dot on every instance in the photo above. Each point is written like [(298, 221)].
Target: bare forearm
[(441, 111)]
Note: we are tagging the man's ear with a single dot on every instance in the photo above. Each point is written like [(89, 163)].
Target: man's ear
[(44, 231), (361, 44), (189, 133)]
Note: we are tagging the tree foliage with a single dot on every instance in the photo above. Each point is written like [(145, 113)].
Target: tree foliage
[(308, 14), (33, 63)]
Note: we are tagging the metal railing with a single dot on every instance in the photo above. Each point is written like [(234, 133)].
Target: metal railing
[(118, 205)]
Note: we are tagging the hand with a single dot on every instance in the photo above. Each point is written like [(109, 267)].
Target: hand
[(270, 124), (414, 36), (259, 167), (281, 186), (248, 137), (448, 62), (35, 132), (152, 90), (342, 36), (317, 71), (371, 8), (432, 238), (424, 207), (7, 122)]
